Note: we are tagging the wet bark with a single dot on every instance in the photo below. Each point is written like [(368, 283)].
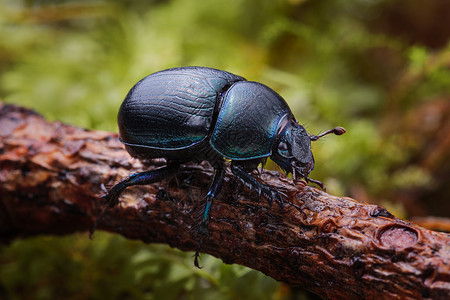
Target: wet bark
[(51, 177)]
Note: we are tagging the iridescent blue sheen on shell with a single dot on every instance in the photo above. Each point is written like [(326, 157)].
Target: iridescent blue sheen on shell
[(247, 124)]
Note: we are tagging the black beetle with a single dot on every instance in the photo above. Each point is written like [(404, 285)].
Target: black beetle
[(197, 113)]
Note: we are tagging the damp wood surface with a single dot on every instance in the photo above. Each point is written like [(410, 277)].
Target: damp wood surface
[(51, 177)]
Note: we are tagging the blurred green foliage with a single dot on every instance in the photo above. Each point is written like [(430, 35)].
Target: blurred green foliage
[(351, 63), (111, 267)]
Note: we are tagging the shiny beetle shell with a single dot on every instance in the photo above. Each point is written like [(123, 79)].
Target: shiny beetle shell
[(179, 108)]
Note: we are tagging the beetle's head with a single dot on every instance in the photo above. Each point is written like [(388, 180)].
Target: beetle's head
[(292, 150)]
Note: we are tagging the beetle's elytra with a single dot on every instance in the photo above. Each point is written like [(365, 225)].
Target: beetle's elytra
[(197, 113)]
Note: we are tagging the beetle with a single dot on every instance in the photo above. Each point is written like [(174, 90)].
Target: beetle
[(197, 113)]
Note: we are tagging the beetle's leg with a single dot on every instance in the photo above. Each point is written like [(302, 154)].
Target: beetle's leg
[(319, 183), (142, 178), (254, 184), (112, 197), (196, 259)]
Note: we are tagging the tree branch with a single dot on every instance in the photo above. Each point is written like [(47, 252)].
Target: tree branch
[(50, 182)]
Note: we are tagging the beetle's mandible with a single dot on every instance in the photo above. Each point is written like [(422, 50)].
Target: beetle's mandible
[(197, 113)]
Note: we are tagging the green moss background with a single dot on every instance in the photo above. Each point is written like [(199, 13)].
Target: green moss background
[(379, 68)]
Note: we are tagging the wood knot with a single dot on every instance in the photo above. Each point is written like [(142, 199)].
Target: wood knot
[(328, 226), (398, 236)]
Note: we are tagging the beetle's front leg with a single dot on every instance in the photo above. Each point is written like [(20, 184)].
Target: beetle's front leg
[(254, 184), (143, 178)]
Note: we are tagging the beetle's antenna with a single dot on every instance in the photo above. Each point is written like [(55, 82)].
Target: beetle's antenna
[(336, 131)]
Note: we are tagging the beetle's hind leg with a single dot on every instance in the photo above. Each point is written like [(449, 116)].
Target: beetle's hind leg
[(143, 178), (271, 194)]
